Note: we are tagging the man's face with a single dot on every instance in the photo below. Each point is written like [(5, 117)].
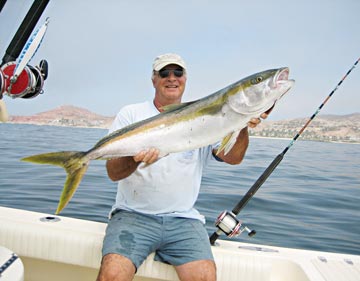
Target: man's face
[(169, 88)]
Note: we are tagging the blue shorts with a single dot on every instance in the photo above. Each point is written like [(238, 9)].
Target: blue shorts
[(174, 240)]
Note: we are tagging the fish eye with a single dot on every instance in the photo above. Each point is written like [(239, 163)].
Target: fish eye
[(257, 80)]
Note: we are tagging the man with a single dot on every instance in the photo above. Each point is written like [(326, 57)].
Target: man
[(154, 209)]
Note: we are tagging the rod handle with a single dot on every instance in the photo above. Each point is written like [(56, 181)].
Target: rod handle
[(213, 238)]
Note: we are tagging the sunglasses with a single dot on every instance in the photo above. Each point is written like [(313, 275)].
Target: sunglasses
[(163, 73)]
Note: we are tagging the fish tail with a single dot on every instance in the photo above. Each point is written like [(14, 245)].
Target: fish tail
[(75, 164)]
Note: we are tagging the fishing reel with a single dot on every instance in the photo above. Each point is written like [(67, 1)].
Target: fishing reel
[(228, 224), (28, 84)]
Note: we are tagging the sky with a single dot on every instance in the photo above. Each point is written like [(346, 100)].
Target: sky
[(100, 53)]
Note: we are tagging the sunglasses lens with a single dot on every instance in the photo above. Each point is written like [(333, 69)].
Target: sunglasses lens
[(178, 72), (166, 72)]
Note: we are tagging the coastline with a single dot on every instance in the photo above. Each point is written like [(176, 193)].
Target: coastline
[(250, 135), (300, 139), (325, 128)]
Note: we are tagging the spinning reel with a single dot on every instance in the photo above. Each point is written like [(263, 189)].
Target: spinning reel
[(28, 84), (228, 224)]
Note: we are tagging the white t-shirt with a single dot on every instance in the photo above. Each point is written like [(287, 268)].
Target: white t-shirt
[(168, 187)]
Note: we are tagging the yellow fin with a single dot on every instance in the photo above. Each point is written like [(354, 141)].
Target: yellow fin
[(75, 164), (228, 142)]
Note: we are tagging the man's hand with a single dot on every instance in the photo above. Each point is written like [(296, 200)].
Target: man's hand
[(147, 156), (256, 121)]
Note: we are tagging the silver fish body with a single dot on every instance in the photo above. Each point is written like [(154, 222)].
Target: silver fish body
[(200, 123)]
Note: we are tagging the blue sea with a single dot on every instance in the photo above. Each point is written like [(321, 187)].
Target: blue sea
[(311, 200)]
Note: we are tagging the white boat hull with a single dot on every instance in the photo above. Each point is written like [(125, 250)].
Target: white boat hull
[(70, 249)]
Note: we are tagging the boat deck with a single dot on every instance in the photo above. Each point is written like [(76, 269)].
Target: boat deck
[(70, 249)]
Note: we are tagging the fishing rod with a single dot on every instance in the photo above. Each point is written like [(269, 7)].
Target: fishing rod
[(227, 223), (2, 4)]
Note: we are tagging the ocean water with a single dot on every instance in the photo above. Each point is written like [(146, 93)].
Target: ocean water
[(311, 200)]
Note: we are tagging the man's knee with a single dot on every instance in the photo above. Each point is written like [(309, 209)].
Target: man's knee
[(197, 270), (116, 267)]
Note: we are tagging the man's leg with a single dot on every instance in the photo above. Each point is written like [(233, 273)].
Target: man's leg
[(129, 239), (116, 268), (186, 246), (202, 270)]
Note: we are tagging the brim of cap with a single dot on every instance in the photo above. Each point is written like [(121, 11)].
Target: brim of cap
[(163, 64)]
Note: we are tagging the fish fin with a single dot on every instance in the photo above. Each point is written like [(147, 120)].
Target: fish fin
[(228, 142), (172, 107), (75, 164)]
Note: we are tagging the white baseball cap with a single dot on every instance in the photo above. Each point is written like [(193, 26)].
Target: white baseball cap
[(166, 59)]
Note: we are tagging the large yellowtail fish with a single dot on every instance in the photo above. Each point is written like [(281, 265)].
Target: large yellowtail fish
[(181, 127)]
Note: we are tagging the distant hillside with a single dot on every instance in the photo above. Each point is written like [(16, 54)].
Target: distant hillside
[(65, 115), (339, 128)]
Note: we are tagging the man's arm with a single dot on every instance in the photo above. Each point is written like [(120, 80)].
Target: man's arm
[(120, 168)]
